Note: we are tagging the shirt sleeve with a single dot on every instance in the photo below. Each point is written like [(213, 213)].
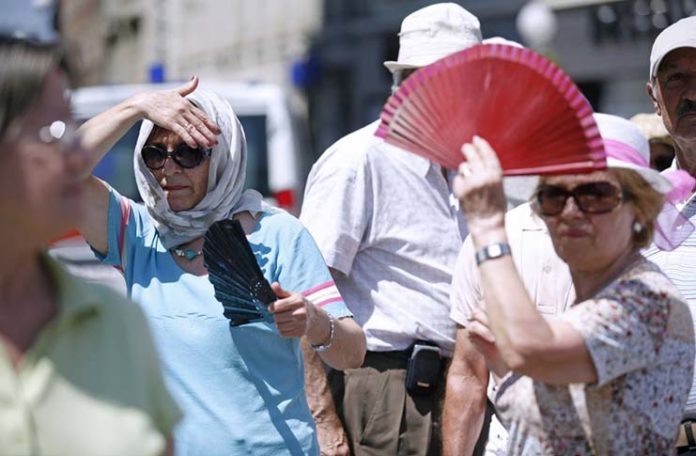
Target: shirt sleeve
[(623, 329), (465, 294), (301, 268), (127, 222), (336, 209)]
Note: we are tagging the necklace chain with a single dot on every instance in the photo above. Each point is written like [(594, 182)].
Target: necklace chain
[(189, 254)]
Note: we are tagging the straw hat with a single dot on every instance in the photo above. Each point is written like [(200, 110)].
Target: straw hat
[(652, 127)]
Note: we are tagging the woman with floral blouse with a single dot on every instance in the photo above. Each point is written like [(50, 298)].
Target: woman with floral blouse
[(611, 375)]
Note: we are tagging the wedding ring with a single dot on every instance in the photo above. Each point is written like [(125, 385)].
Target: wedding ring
[(464, 170)]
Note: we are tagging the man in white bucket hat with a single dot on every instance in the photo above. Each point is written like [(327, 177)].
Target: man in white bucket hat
[(389, 229), (672, 89)]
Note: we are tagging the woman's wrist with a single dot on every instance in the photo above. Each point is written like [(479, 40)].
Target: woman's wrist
[(319, 331), (135, 107), (488, 231)]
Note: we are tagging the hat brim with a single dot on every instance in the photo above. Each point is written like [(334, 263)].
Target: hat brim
[(415, 62), (653, 177), (396, 66)]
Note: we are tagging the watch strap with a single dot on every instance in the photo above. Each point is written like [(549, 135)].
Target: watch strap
[(493, 251)]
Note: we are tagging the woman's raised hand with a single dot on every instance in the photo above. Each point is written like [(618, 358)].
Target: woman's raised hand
[(171, 110), (479, 187)]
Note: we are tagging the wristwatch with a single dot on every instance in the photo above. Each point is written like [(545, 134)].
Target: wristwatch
[(492, 251)]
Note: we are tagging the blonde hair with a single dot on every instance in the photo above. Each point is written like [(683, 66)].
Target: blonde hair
[(646, 201)]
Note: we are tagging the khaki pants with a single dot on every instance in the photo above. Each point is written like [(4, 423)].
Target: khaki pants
[(380, 416)]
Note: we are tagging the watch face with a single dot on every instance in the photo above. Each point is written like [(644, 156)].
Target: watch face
[(494, 251)]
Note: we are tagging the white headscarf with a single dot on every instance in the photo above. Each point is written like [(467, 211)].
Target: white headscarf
[(226, 195)]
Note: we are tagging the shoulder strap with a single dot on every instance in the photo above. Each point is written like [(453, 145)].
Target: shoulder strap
[(125, 215)]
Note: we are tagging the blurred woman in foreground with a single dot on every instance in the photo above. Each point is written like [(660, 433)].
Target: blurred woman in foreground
[(612, 374), (78, 371)]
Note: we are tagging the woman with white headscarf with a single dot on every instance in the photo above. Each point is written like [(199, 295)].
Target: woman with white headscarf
[(241, 387)]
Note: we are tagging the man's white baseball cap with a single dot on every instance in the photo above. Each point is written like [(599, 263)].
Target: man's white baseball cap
[(678, 35)]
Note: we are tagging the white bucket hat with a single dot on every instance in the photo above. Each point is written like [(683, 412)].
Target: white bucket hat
[(678, 35), (626, 147), (434, 32)]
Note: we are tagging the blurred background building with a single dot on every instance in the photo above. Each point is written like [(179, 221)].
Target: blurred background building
[(331, 51), (133, 41)]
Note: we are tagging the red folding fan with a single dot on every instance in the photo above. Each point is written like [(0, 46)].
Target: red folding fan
[(526, 107)]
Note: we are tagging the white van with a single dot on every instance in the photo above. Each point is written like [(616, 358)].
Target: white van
[(279, 154)]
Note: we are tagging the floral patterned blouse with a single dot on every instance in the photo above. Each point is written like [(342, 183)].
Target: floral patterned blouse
[(640, 336)]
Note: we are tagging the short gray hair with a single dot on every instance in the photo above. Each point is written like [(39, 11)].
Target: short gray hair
[(399, 76)]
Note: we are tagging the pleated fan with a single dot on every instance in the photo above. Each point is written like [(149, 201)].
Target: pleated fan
[(526, 107), (235, 274)]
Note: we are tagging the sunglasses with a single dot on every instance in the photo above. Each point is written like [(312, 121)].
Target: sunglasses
[(591, 198), (183, 155)]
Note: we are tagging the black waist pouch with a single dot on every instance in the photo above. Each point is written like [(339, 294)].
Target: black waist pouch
[(423, 369)]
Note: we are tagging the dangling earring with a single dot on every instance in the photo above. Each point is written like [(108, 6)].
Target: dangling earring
[(637, 227)]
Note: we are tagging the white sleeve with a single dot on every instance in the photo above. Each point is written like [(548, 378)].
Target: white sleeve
[(466, 294), (337, 207)]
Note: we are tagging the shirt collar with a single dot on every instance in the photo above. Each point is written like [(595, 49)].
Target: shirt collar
[(674, 166), (75, 299), (533, 222)]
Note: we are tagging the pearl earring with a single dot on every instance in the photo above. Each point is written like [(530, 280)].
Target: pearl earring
[(637, 227)]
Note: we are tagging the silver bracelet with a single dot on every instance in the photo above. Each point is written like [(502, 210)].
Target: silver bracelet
[(332, 332)]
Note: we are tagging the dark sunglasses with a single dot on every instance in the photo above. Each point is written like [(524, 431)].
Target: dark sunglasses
[(183, 155), (591, 198)]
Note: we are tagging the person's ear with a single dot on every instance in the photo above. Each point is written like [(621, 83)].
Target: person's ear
[(651, 89)]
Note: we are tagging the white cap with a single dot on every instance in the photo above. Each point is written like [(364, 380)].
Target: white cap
[(434, 32), (626, 146), (678, 35)]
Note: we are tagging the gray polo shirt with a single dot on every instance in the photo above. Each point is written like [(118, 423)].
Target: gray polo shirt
[(387, 221)]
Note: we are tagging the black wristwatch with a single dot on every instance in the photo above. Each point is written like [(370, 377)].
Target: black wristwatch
[(493, 251)]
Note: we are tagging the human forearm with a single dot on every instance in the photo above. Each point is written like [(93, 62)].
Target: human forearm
[(348, 345), (102, 131), (463, 415), (316, 384), (330, 433), (465, 398), (514, 320), (342, 339)]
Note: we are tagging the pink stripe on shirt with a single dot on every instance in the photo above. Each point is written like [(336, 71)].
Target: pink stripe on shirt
[(319, 287)]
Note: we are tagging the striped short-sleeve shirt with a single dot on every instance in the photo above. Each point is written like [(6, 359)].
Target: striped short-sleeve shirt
[(680, 266)]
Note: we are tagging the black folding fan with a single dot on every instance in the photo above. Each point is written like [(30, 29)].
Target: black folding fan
[(235, 274)]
